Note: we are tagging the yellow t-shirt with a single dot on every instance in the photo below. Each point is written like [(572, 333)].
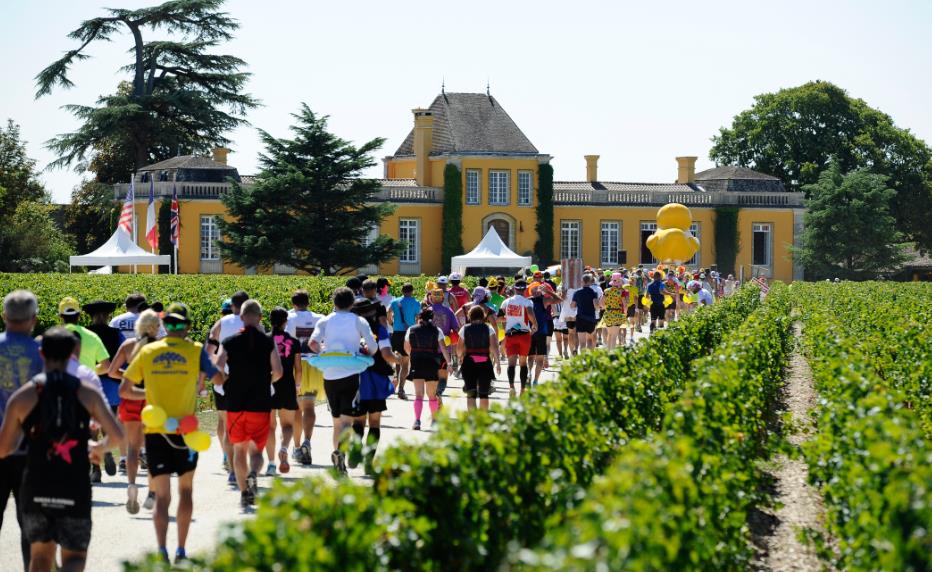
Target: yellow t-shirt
[(170, 368)]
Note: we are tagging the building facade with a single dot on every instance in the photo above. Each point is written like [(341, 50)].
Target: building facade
[(605, 223)]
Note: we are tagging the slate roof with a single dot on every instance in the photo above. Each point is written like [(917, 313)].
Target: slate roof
[(738, 179), (618, 186), (471, 123), (187, 162), (730, 172)]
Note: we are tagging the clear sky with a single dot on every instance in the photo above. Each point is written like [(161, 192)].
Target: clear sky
[(635, 82)]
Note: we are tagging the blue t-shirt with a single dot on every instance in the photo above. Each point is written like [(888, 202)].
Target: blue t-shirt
[(585, 304), (655, 291), (543, 317), (19, 362), (404, 313)]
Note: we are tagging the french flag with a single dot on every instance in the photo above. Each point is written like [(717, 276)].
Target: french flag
[(152, 225)]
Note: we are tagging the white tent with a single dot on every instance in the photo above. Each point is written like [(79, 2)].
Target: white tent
[(120, 250), (490, 253)]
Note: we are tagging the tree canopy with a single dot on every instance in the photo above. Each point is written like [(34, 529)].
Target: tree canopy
[(849, 230), (795, 133), (181, 94), (309, 207)]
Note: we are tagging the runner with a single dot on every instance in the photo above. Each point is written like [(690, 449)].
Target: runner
[(147, 327), (126, 322), (459, 293), (704, 297), (54, 411), (19, 362), (614, 318), (403, 313), (656, 291), (448, 299), (374, 388), (301, 324), (100, 312), (543, 300), (224, 328), (568, 317), (284, 396), (370, 292), (171, 368), (424, 343), (383, 292), (341, 332), (445, 320), (520, 323), (478, 351), (93, 352), (585, 301), (254, 366)]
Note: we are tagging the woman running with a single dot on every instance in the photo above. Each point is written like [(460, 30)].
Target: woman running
[(375, 387), (478, 351), (147, 330), (424, 343), (614, 318), (285, 396)]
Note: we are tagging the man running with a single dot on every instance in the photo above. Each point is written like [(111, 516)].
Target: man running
[(341, 332), (403, 314), (520, 323), (126, 322), (254, 365), (585, 301), (93, 352), (460, 294), (100, 312), (301, 324), (19, 362), (171, 368), (656, 290), (54, 411), (285, 394)]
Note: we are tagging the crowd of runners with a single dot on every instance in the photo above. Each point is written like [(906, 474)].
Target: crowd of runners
[(81, 401)]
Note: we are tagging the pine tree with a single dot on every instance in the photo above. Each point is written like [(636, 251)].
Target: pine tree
[(309, 207)]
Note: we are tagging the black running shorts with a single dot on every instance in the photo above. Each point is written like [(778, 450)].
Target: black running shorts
[(341, 393), (168, 455)]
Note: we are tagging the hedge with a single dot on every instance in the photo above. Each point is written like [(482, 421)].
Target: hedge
[(680, 498), (871, 457), (486, 481)]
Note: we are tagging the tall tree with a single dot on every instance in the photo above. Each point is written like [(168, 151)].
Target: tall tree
[(797, 132), (309, 207), (849, 230), (543, 248), (29, 238), (180, 92), (452, 234)]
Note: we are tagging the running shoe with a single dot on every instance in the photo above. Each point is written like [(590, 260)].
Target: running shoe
[(402, 395), (305, 453), (95, 474), (417, 425), (231, 478), (132, 499), (339, 461), (149, 502), (109, 463), (270, 471), (296, 454), (283, 465), (122, 466), (163, 553), (246, 499), (252, 484), (180, 555)]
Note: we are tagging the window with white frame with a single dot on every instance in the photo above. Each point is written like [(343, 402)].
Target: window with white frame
[(569, 238), (695, 230), (525, 187), (473, 195), (762, 250), (408, 233), (499, 188), (210, 238), (611, 242), (647, 229)]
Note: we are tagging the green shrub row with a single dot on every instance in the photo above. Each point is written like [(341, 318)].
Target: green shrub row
[(679, 499), (486, 481), (202, 293), (871, 457)]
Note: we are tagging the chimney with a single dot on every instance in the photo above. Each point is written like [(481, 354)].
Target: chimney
[(220, 154), (686, 170), (423, 142), (592, 168)]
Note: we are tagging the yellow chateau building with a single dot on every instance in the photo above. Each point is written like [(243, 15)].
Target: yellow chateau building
[(606, 223)]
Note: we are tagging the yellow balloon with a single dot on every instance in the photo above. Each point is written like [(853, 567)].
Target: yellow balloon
[(447, 341), (645, 300), (197, 440), (674, 215), (689, 298), (153, 416), (667, 301), (501, 335), (672, 244)]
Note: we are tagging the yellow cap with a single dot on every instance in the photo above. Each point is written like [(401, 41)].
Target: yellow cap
[(68, 307)]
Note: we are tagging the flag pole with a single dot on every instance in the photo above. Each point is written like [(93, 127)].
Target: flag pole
[(131, 181)]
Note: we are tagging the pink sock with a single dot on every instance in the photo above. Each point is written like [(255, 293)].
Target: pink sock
[(418, 408), (434, 407)]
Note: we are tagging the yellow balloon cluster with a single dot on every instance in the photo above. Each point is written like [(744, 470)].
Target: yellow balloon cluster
[(672, 241)]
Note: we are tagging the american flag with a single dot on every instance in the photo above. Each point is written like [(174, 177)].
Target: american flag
[(762, 282), (126, 215), (175, 221), (152, 224)]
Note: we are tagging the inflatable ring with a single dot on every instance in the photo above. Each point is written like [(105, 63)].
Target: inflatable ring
[(330, 360)]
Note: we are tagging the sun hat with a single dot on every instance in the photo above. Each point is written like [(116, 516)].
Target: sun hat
[(177, 313), (68, 307), (479, 294), (616, 279), (99, 307), (442, 280), (456, 277)]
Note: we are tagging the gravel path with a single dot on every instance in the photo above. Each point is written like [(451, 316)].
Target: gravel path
[(800, 505)]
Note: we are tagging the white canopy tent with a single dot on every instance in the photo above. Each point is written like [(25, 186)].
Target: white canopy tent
[(490, 253), (120, 250)]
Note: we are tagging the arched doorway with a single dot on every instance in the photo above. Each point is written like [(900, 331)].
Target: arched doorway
[(503, 224)]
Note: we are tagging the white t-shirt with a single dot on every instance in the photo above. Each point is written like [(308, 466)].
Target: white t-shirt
[(301, 324), (386, 300), (126, 323), (516, 311), (341, 332), (567, 312), (85, 374), (230, 325), (705, 297)]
